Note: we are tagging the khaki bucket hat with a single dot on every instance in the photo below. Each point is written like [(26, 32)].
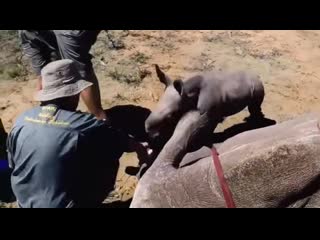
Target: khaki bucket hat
[(61, 79)]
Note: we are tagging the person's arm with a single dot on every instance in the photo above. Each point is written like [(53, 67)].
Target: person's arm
[(92, 99), (39, 83), (141, 149), (127, 143)]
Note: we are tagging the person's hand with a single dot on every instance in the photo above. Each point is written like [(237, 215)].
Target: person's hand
[(142, 150), (106, 120), (102, 116), (144, 154)]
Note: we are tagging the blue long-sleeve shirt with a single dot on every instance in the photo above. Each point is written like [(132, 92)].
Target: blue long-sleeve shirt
[(62, 159)]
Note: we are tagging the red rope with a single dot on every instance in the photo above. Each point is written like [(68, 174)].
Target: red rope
[(223, 183)]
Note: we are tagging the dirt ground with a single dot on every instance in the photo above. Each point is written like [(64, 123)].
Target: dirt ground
[(287, 61)]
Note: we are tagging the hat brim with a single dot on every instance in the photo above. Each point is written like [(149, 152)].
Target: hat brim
[(64, 91)]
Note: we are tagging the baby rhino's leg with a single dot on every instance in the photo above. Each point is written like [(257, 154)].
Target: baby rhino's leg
[(256, 102)]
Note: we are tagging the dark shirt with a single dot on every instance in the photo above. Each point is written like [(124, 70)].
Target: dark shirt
[(3, 138), (62, 159)]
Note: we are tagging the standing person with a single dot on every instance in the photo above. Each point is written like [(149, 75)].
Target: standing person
[(45, 46)]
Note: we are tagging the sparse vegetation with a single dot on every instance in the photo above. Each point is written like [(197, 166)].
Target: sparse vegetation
[(6, 35), (15, 72), (8, 205), (120, 97), (12, 72), (127, 77), (12, 65), (115, 38), (140, 57), (129, 71), (144, 73)]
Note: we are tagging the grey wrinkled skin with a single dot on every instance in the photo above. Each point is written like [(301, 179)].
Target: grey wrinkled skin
[(272, 167), (217, 94)]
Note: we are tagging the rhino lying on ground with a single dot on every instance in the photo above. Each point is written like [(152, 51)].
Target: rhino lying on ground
[(217, 94), (277, 166)]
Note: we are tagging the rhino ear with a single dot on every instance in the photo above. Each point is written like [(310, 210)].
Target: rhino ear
[(178, 85), (162, 76)]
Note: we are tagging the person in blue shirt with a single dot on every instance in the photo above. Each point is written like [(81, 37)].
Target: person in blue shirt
[(62, 158)]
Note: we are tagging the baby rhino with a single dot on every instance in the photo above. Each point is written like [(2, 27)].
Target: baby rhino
[(217, 94)]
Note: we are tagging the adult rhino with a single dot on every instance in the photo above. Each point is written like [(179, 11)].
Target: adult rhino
[(277, 166)]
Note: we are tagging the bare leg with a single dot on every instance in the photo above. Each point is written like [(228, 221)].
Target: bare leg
[(255, 105), (92, 99), (39, 83)]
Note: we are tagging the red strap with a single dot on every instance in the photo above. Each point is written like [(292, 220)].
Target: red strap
[(223, 183)]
